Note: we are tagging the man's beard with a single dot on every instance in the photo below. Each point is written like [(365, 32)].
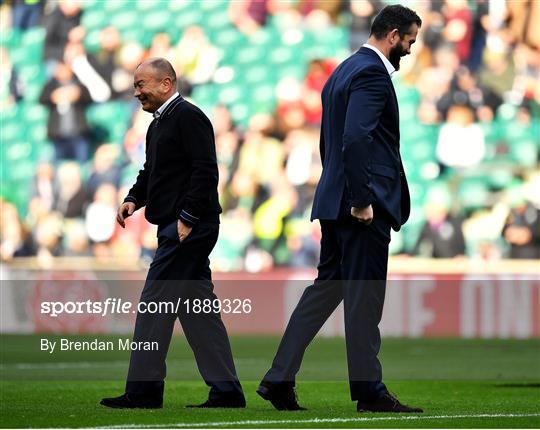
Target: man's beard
[(395, 55)]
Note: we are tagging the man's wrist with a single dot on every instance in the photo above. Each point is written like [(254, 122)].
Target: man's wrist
[(188, 218), (130, 199)]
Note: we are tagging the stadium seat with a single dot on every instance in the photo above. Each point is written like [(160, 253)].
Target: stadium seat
[(473, 193)]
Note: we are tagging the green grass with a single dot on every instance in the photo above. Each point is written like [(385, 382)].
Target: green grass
[(456, 379)]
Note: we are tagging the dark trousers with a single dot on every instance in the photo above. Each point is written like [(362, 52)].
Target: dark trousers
[(181, 270), (352, 268)]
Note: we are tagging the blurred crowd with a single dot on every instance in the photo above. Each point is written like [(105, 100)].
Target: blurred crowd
[(474, 75)]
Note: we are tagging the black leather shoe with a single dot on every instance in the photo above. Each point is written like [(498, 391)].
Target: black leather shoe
[(282, 398), (226, 402), (386, 402), (132, 401)]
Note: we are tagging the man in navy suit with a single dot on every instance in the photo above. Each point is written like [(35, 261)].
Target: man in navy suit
[(361, 195)]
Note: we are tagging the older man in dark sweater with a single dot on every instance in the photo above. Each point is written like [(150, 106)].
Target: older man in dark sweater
[(178, 187)]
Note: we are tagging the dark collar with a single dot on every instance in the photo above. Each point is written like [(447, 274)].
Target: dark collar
[(172, 105)]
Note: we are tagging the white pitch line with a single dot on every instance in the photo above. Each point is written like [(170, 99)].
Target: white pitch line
[(315, 421)]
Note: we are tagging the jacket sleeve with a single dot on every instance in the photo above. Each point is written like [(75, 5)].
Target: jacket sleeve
[(368, 95), (198, 134), (138, 192)]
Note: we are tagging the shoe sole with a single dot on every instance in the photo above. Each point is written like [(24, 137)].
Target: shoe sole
[(280, 406), (113, 406)]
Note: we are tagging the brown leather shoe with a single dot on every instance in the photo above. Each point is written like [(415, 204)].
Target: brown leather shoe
[(386, 402)]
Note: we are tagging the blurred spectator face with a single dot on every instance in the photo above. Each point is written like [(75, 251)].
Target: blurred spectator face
[(221, 119), (131, 55), (465, 79), (161, 44), (109, 39), (63, 73), (460, 115), (150, 88), (362, 8), (105, 157), (447, 59), (76, 240), (106, 194), (45, 172), (48, 231), (69, 178), (69, 7), (242, 184)]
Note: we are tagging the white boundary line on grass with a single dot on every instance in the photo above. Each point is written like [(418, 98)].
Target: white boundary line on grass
[(315, 421)]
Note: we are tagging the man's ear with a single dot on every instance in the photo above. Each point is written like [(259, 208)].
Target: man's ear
[(168, 82), (393, 37)]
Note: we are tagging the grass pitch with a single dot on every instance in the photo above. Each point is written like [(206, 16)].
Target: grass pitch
[(459, 383)]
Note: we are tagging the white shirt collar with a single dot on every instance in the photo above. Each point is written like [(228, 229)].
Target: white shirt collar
[(160, 110), (391, 69)]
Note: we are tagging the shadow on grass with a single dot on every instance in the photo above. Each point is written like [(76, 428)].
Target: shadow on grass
[(519, 385)]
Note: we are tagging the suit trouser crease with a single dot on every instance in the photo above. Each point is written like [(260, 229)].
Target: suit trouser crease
[(182, 271)]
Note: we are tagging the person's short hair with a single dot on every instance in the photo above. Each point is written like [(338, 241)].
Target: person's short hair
[(394, 16), (164, 68)]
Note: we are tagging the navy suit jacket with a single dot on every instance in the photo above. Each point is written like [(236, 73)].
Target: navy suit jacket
[(360, 142)]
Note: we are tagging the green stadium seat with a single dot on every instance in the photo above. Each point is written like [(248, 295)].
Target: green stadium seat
[(474, 194), (116, 5), (204, 94), (186, 19), (256, 74), (249, 55), (10, 38), (35, 114), (282, 55), (91, 40), (126, 19), (525, 152), (94, 19)]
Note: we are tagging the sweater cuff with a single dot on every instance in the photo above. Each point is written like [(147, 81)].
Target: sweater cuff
[(130, 199), (188, 218)]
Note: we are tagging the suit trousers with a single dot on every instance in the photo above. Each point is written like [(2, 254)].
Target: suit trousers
[(353, 268), (179, 271)]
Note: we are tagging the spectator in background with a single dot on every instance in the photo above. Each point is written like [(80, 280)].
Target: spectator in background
[(129, 57), (26, 13), (461, 141), (442, 234), (458, 29), (15, 240), (75, 56), (105, 169), (105, 60), (161, 46), (331, 8), (464, 90), (316, 76), (362, 14), (61, 26), (100, 220), (48, 236), (195, 58), (67, 100), (248, 15), (522, 228), (498, 70), (43, 185), (71, 197), (481, 26), (75, 240), (523, 22)]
